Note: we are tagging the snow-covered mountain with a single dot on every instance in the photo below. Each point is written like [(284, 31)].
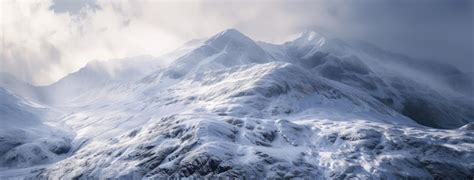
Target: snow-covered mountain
[(314, 107), (411, 87), (226, 49)]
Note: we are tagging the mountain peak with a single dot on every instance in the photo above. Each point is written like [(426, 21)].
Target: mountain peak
[(308, 37), (229, 35)]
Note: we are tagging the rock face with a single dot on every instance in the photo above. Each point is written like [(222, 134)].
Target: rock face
[(313, 108)]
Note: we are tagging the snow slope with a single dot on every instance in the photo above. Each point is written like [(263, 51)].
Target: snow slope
[(314, 107), (410, 86), (26, 138), (258, 121)]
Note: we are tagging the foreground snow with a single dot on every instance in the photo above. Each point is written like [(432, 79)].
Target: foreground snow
[(186, 145)]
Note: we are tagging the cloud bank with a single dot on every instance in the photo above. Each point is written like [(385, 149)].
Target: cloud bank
[(42, 41)]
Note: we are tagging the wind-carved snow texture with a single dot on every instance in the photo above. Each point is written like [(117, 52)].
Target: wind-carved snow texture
[(185, 145), (314, 108)]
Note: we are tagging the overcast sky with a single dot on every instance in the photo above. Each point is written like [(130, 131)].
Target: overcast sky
[(42, 41)]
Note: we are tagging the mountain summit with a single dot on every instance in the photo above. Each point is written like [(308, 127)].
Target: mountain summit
[(221, 39), (225, 49), (308, 38)]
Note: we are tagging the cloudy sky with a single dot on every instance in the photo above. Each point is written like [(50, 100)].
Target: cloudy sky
[(43, 40)]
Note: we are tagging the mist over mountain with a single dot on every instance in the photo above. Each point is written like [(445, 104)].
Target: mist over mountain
[(315, 107)]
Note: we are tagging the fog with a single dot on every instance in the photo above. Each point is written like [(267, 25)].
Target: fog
[(43, 41)]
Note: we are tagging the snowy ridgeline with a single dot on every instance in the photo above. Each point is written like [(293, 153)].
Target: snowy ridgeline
[(313, 107)]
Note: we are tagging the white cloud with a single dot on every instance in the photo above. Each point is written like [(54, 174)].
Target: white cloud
[(41, 46)]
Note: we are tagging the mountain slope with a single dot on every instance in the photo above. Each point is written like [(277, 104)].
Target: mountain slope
[(194, 145), (234, 122), (410, 86), (25, 139)]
